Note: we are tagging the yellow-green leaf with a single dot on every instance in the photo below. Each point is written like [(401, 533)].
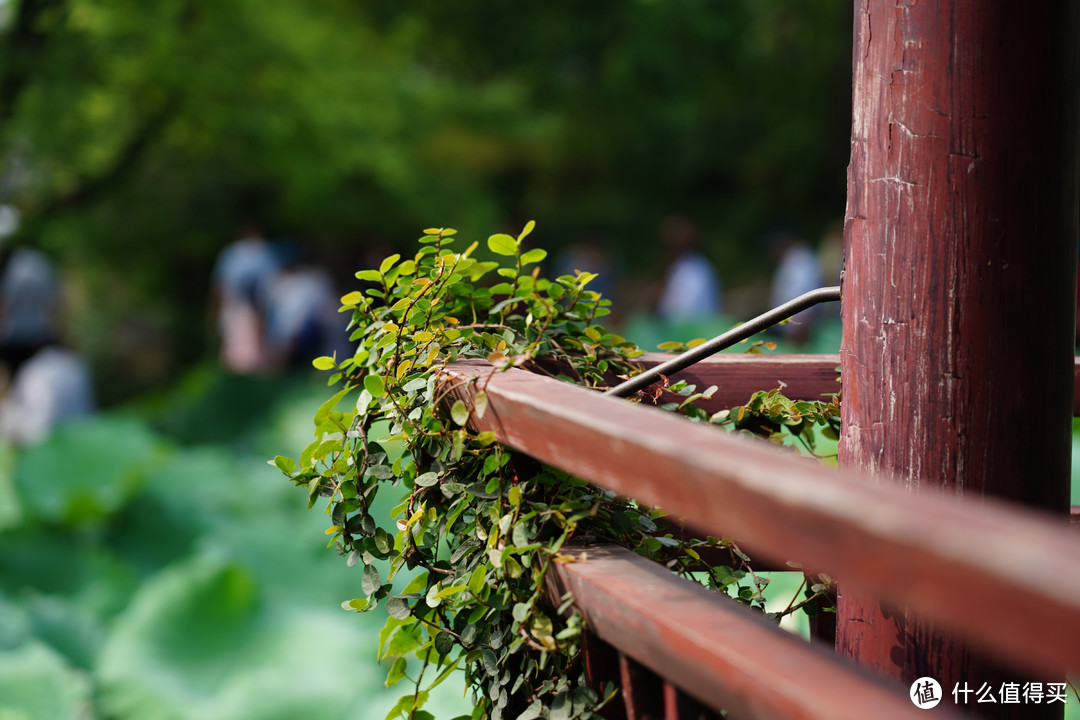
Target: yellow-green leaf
[(452, 590), (476, 580), (389, 263), (356, 604), (432, 354), (285, 464), (397, 671), (533, 256), (352, 298), (323, 363), (502, 244), (459, 412), (374, 384)]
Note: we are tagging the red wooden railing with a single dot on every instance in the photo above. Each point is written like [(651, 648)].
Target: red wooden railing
[(959, 289), (680, 651)]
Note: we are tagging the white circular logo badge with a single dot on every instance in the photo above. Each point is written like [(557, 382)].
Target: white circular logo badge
[(925, 693)]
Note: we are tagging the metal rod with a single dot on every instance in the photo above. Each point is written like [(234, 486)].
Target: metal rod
[(721, 342)]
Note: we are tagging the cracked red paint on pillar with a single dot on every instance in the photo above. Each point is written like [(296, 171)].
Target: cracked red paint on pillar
[(960, 277)]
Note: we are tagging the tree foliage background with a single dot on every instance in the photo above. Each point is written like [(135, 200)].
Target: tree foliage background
[(135, 137)]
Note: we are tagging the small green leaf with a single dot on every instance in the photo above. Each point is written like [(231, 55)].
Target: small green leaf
[(459, 412), (444, 643), (426, 479), (527, 229), (324, 363), (401, 642), (533, 256), (371, 580), (480, 403), (389, 263), (503, 244), (352, 298), (383, 541), (374, 384), (476, 580), (397, 608), (491, 663), (371, 275), (448, 591), (357, 604), (533, 711), (397, 671), (285, 464)]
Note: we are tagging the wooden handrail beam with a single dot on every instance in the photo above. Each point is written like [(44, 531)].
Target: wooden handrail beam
[(723, 654), (966, 565), (737, 376), (806, 377)]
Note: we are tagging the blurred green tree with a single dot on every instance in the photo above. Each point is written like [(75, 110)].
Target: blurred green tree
[(135, 137)]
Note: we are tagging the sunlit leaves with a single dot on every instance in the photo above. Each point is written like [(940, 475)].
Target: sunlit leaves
[(812, 426), (502, 244), (480, 404), (481, 525), (533, 256), (459, 412), (397, 672), (375, 386)]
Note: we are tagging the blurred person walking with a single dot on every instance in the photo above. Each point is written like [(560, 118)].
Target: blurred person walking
[(240, 289), (43, 382), (691, 288), (29, 302), (798, 271), (52, 386), (301, 312)]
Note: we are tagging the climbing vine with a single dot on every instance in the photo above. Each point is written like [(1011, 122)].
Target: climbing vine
[(459, 565)]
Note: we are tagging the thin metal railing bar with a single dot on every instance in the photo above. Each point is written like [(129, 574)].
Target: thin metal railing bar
[(726, 340), (951, 561)]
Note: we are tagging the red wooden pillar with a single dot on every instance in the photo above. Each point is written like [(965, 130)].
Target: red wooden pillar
[(960, 279)]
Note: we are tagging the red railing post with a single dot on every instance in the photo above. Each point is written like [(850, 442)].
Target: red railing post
[(960, 279)]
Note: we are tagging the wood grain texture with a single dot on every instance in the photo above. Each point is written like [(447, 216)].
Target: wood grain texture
[(737, 376), (804, 377), (965, 564), (960, 276), (720, 654)]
